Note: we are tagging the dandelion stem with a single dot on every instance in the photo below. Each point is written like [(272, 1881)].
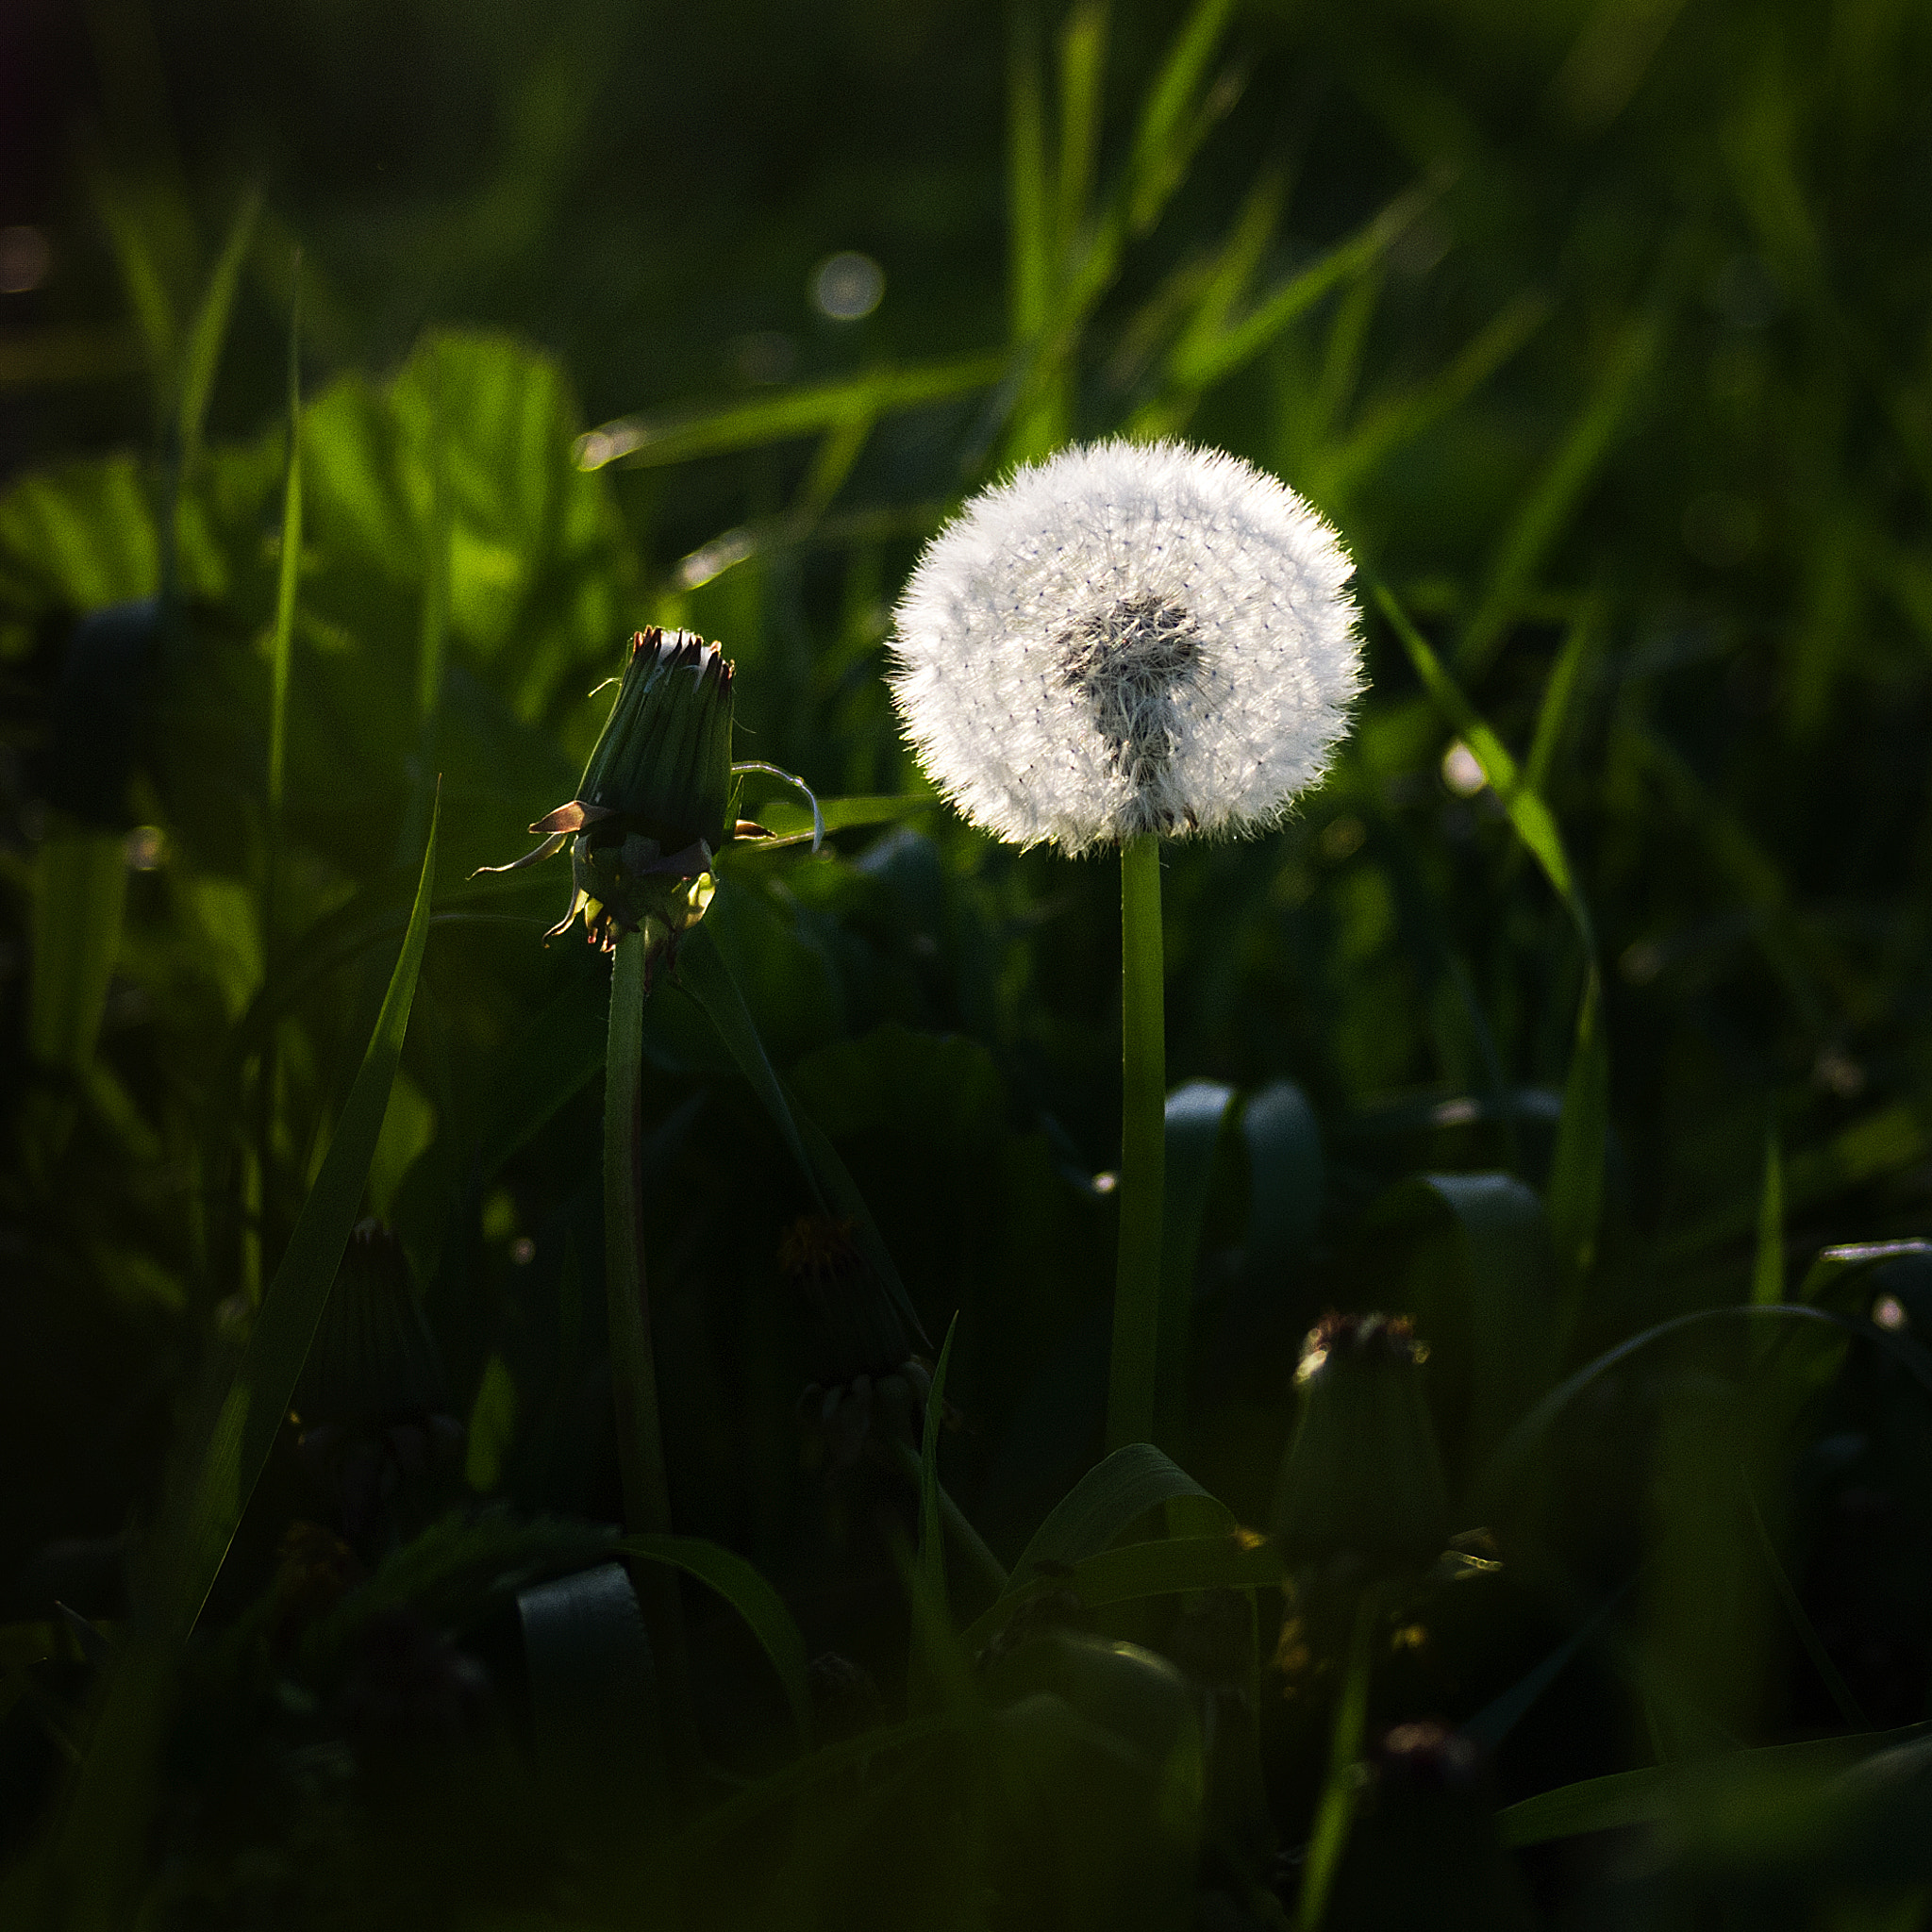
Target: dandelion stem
[(1134, 1376), (633, 1369)]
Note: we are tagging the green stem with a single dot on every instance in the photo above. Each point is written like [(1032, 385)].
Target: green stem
[(1134, 1376), (1335, 1810), (633, 1368), (893, 1454)]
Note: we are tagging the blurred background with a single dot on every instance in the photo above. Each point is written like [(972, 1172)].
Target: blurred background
[(1599, 329)]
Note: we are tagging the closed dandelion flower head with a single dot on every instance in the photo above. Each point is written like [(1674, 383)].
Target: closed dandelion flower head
[(1128, 637)]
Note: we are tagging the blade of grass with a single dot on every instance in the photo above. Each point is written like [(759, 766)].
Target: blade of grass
[(1335, 1809), (1173, 120), (208, 334), (1841, 1692), (1029, 215), (1102, 1504), (651, 441), (932, 1543), (753, 1599), (1559, 489), (1083, 65), (99, 1847), (1576, 1167), (1767, 1269)]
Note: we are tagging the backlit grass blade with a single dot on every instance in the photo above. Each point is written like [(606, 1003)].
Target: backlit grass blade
[(932, 1543), (1514, 1454), (1174, 118), (1029, 210), (1767, 1269), (1102, 1504), (678, 436), (1559, 489), (1083, 67), (753, 1599), (80, 887), (1335, 1809), (1206, 363), (1652, 1793), (103, 1834), (288, 576), (1839, 1691), (706, 974), (208, 333), (1575, 1186)]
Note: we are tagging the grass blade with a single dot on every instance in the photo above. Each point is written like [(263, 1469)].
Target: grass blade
[(101, 1839), (1841, 1692), (1335, 1812), (208, 334), (932, 1543), (1102, 1504), (651, 441), (1575, 1186), (1173, 120), (80, 889), (1029, 215), (1559, 489), (1767, 1269), (753, 1599), (287, 577)]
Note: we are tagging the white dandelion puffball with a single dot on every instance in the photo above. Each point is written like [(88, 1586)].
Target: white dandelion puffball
[(1128, 637)]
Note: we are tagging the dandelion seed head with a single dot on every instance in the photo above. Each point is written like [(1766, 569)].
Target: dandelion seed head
[(1128, 637)]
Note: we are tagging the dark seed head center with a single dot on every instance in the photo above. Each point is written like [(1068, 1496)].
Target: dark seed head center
[(1130, 660)]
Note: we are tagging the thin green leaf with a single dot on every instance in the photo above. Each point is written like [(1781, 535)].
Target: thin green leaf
[(1213, 360), (1030, 217), (1083, 66), (647, 442), (753, 1599), (210, 333), (1575, 1187), (80, 887), (1102, 1504), (288, 576), (105, 1828), (1335, 1809), (1501, 1715), (1173, 120), (789, 823), (1848, 1707), (1656, 1793), (932, 1543), (1559, 489), (1514, 1452), (1767, 1269), (706, 974)]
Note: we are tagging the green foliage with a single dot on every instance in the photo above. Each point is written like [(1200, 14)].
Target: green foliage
[(1580, 1015)]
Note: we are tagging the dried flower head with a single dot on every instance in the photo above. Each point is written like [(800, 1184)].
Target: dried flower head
[(1129, 638)]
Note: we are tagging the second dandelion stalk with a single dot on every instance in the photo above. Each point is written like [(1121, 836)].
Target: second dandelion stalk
[(1136, 1372)]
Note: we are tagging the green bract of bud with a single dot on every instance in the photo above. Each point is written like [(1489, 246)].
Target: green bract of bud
[(374, 1358), (654, 805), (1363, 1476)]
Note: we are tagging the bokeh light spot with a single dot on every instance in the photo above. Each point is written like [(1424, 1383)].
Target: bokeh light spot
[(848, 286)]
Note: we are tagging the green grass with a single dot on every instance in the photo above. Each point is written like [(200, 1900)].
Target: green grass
[(1583, 1015)]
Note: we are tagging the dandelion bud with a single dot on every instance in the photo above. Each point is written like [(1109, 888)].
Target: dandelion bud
[(1363, 1482), (1129, 638), (864, 1366), (654, 804)]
